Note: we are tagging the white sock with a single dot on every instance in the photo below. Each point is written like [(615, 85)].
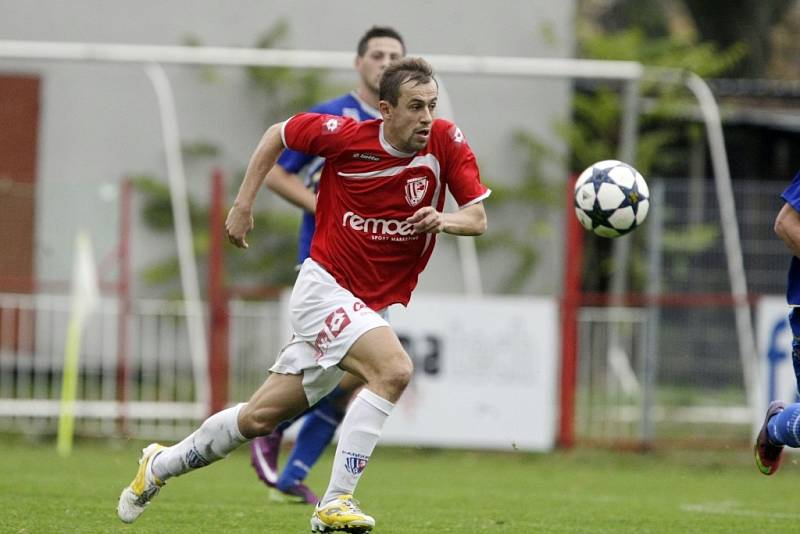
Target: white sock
[(214, 440), (359, 433)]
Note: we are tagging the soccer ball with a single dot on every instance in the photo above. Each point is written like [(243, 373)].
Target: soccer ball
[(611, 198)]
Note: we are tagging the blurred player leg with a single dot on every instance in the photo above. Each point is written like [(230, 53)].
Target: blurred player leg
[(317, 429), (781, 423), (264, 451), (784, 427), (794, 323), (769, 446)]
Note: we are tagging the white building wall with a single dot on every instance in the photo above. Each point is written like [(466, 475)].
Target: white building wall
[(100, 122)]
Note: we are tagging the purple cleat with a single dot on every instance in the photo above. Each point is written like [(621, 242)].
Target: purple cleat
[(768, 456), (299, 493), (264, 457)]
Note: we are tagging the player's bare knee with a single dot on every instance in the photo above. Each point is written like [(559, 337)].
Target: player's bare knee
[(398, 381), (257, 421), (397, 374)]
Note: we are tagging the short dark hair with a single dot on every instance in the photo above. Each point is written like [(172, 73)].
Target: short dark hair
[(378, 31), (410, 69)]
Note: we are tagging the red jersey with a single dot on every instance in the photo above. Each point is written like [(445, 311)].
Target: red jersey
[(366, 192)]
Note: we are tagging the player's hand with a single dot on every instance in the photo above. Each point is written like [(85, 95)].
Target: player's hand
[(237, 224), (427, 221)]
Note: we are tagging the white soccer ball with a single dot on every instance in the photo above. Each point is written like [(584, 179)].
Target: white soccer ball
[(611, 198)]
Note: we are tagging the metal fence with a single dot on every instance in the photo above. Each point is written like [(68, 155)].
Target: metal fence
[(698, 387), (158, 382)]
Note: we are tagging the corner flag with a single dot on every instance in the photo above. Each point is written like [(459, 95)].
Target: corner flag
[(85, 297)]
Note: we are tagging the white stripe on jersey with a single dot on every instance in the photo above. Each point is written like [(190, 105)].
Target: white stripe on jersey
[(428, 160), (283, 133), (476, 199)]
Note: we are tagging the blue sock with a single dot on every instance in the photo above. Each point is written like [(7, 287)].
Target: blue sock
[(330, 398), (784, 428), (286, 424), (796, 360), (794, 323), (317, 431)]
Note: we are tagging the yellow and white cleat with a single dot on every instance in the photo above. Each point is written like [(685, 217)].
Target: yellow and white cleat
[(341, 515), (144, 487)]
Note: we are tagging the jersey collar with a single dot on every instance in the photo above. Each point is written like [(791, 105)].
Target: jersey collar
[(366, 108)]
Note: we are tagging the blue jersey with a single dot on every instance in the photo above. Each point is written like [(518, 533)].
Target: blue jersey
[(348, 105), (792, 196)]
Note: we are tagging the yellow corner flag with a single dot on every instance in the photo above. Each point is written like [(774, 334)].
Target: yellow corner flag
[(85, 296)]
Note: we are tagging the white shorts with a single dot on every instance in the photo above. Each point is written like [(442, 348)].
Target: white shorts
[(327, 319)]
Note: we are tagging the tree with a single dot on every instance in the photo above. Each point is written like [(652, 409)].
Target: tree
[(727, 22)]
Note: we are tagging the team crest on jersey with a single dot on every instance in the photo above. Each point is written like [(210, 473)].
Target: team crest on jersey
[(416, 189), (331, 125)]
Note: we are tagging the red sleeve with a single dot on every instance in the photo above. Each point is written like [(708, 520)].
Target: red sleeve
[(321, 135), (462, 174)]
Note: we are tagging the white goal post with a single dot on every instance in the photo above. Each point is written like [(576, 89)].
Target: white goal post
[(631, 73)]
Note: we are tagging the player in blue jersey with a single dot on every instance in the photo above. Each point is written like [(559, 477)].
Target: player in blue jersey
[(376, 49), (782, 423)]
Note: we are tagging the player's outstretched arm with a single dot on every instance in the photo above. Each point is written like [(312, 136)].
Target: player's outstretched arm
[(470, 220), (289, 186), (787, 226), (240, 216)]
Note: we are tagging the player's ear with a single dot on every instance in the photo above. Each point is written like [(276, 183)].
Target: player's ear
[(385, 108)]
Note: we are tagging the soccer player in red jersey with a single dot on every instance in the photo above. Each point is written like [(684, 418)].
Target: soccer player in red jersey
[(376, 49), (378, 212)]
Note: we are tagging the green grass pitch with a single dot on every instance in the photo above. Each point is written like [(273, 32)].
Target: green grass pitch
[(412, 491)]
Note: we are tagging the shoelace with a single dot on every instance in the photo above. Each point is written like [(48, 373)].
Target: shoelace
[(352, 505)]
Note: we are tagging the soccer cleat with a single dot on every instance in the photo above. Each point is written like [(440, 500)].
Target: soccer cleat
[(299, 493), (264, 457), (341, 515), (144, 487), (768, 456)]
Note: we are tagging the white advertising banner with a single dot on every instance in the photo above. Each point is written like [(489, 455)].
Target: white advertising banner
[(485, 373), (774, 337)]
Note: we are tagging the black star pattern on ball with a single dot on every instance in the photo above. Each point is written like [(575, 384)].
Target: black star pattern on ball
[(599, 216), (632, 197)]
